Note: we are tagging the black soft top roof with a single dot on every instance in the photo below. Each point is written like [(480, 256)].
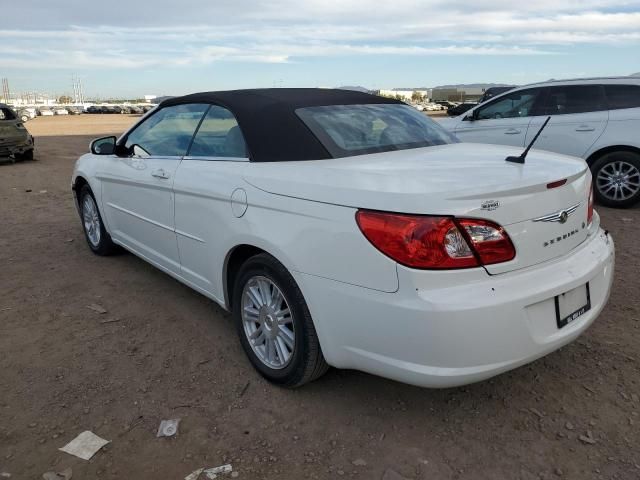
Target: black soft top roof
[(268, 121)]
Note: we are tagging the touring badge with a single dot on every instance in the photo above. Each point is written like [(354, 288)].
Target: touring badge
[(490, 205)]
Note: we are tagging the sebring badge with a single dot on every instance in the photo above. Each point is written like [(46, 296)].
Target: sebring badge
[(490, 205)]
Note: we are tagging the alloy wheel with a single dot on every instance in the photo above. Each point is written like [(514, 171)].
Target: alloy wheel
[(618, 180), (91, 220), (268, 323)]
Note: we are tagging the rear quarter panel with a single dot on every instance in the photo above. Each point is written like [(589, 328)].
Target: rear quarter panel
[(623, 129), (313, 238)]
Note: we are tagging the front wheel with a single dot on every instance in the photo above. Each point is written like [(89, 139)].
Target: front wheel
[(616, 179), (27, 155), (274, 324), (98, 239)]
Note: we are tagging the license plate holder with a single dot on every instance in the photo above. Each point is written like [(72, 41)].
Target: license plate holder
[(572, 305)]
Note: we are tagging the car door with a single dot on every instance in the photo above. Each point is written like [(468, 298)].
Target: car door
[(578, 114), (208, 196), (137, 195), (503, 121)]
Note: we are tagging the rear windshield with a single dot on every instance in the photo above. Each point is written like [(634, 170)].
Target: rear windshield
[(347, 130)]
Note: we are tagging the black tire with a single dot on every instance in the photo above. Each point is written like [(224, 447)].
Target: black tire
[(629, 158), (307, 362), (105, 245), (28, 155)]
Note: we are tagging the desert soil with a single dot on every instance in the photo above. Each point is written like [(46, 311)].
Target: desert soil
[(162, 351)]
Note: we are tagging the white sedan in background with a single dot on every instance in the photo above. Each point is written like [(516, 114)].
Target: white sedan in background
[(350, 230)]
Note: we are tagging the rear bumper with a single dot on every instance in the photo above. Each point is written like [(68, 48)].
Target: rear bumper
[(443, 329), (8, 149)]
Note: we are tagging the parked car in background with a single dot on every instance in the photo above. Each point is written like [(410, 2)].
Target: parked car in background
[(60, 111), (74, 110), (24, 115), (45, 111), (136, 110), (446, 104), (15, 140), (461, 108), (94, 109), (461, 265), (594, 119)]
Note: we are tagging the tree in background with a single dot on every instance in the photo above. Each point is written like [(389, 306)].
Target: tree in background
[(65, 99), (417, 97)]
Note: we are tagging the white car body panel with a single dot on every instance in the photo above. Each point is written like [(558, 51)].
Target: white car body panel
[(428, 328), (572, 134), (138, 206), (501, 131)]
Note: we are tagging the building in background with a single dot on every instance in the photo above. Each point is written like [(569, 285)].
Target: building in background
[(457, 94)]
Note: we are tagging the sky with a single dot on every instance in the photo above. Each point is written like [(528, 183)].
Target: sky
[(129, 48)]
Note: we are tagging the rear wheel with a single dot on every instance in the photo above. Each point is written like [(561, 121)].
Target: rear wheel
[(616, 179), (274, 324), (98, 239)]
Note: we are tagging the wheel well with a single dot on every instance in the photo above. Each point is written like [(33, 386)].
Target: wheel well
[(232, 264), (77, 186), (615, 148)]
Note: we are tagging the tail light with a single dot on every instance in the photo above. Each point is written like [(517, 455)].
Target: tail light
[(429, 242), (590, 205)]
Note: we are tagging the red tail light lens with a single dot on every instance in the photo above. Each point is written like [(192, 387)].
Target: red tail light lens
[(490, 241), (590, 205), (427, 242)]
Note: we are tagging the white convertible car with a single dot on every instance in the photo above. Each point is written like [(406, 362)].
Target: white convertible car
[(350, 230)]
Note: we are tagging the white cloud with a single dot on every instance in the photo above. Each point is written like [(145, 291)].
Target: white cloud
[(200, 32)]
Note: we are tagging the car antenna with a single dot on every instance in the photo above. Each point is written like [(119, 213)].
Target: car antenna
[(523, 155)]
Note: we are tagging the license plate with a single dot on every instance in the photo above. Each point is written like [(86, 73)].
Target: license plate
[(572, 305)]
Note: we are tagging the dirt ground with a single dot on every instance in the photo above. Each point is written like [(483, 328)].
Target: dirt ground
[(163, 351)]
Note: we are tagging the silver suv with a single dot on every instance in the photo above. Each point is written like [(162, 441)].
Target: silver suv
[(597, 119)]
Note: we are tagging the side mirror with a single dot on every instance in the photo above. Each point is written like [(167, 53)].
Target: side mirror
[(471, 116), (104, 146)]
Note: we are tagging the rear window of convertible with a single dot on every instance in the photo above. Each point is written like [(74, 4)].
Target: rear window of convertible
[(347, 130)]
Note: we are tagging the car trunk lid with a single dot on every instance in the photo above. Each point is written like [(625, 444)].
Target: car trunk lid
[(464, 180)]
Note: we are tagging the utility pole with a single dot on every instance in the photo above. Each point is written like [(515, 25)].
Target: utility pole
[(6, 93)]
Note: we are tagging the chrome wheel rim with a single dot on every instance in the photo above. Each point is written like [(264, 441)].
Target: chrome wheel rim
[(618, 180), (91, 220), (268, 323)]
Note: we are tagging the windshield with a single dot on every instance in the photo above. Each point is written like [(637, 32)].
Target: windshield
[(347, 130)]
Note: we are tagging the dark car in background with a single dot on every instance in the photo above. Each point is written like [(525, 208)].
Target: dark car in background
[(493, 91), (15, 140), (460, 109)]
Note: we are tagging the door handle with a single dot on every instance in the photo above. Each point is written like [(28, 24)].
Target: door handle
[(160, 173), (512, 131), (585, 128)]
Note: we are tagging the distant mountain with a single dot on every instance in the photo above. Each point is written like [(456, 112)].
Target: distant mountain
[(635, 74), (474, 85), (457, 85), (356, 88), (410, 88)]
